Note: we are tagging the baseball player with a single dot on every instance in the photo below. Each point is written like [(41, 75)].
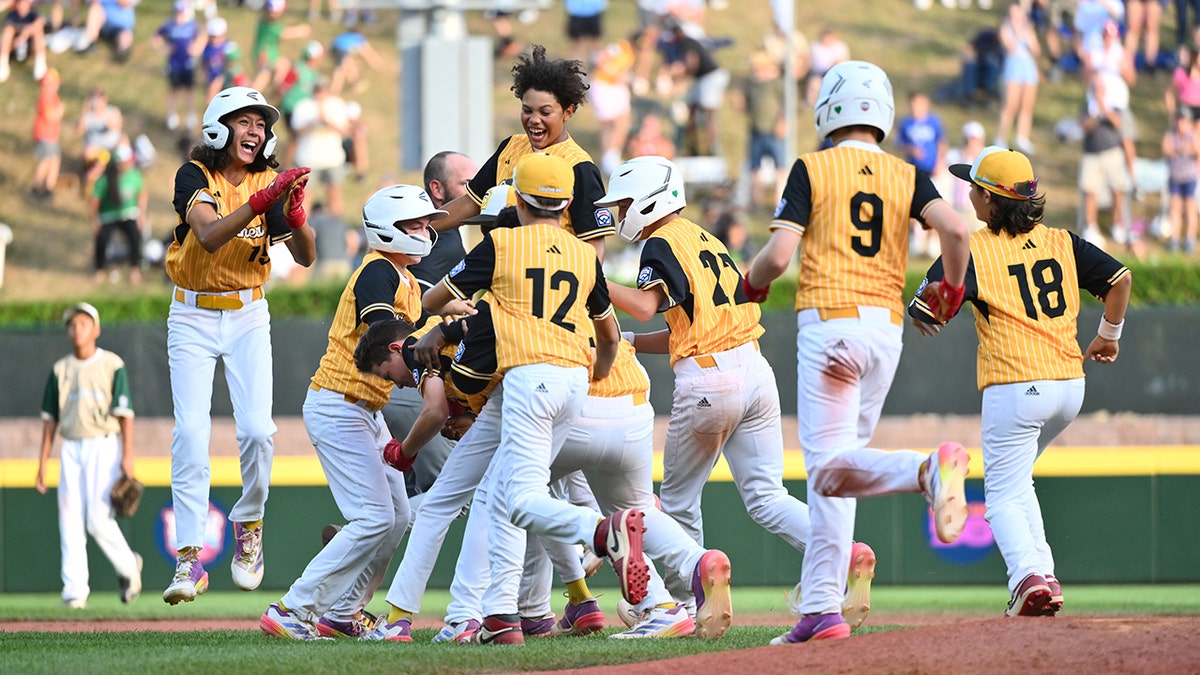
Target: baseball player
[(550, 302), (852, 204), (446, 176), (725, 397), (232, 207), (87, 397), (1024, 281), (341, 415), (550, 91)]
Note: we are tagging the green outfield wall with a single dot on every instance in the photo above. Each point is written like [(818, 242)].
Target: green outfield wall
[(1156, 374), (1104, 528)]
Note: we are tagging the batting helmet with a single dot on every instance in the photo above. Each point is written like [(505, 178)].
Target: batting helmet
[(852, 93), (656, 187), (389, 207), (217, 134)]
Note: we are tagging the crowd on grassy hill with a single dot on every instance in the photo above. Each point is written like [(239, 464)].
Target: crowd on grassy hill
[(668, 89)]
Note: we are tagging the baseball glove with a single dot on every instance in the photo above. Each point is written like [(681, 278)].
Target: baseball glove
[(126, 495)]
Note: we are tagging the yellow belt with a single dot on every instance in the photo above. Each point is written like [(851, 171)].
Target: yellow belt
[(362, 403), (217, 300), (852, 313), (707, 361)]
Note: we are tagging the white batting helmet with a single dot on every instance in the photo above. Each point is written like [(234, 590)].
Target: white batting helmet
[(217, 134), (855, 92), (656, 187), (392, 205)]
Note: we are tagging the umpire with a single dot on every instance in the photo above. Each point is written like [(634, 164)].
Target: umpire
[(446, 177)]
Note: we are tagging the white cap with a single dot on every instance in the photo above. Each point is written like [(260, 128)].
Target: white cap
[(81, 308), (217, 26), (973, 129)]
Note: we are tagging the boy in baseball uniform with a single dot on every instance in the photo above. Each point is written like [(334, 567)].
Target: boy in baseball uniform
[(1023, 283), (87, 399), (852, 204), (343, 420)]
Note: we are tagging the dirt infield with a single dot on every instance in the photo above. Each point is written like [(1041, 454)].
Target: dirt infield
[(933, 643)]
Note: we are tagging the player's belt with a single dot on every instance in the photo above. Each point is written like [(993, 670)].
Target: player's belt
[(860, 312), (362, 403), (710, 360), (230, 300)]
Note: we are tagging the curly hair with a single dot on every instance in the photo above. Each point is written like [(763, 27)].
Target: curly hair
[(1015, 216), (561, 77), (217, 160)]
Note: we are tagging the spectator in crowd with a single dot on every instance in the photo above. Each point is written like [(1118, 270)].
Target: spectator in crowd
[(183, 42), (358, 157), (1090, 19), (47, 125), (232, 74), (314, 13), (611, 99), (297, 82), (921, 139), (707, 91), (1181, 148), (1102, 165), (24, 31), (212, 59), (268, 36), (828, 50), (321, 123), (333, 258), (763, 103), (346, 49), (649, 139), (506, 45), (982, 67), (1185, 29), (585, 27), (1021, 50), (101, 126), (725, 219), (1143, 17), (958, 192), (1183, 94), (112, 20), (118, 203), (1110, 56)]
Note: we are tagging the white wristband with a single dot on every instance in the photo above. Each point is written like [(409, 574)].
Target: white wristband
[(628, 336), (1109, 330)]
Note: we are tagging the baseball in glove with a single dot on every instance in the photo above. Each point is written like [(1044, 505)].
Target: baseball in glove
[(126, 495)]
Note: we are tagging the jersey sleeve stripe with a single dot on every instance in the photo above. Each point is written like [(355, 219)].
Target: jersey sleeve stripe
[(454, 289), (787, 225), (375, 307)]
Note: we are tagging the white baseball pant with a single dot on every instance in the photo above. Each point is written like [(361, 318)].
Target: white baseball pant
[(371, 497), (241, 338), (728, 403), (844, 371), (88, 469), (1019, 421)]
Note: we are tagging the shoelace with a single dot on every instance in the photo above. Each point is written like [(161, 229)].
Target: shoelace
[(183, 569), (251, 541)]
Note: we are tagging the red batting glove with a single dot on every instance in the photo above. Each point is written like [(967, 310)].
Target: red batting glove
[(393, 455), (455, 408), (294, 215), (755, 294), (263, 199), (943, 299)]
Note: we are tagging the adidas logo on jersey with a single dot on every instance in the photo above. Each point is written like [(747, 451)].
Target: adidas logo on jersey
[(866, 171), (703, 403), (1032, 391), (1028, 245), (553, 249), (541, 389)]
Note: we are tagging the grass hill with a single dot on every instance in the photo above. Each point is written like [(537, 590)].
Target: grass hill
[(50, 257)]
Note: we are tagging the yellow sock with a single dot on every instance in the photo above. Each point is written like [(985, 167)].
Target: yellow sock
[(577, 592), (253, 525), (395, 614), (666, 605), (282, 607)]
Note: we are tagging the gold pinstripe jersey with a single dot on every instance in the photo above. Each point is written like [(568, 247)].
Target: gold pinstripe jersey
[(472, 400), (546, 287), (582, 217), (242, 262), (852, 204), (705, 308), (626, 378), (1025, 294), (376, 290)]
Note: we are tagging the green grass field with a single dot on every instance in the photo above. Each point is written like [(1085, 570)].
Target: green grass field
[(243, 650)]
